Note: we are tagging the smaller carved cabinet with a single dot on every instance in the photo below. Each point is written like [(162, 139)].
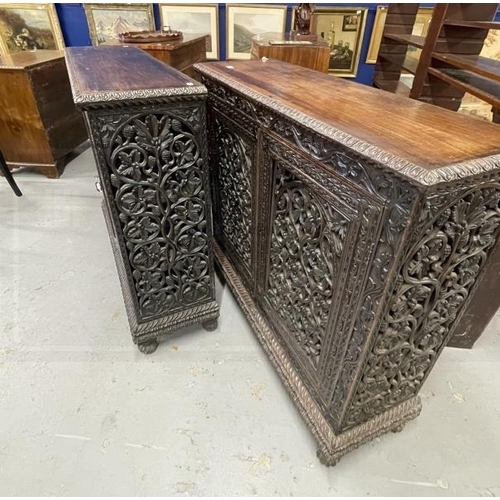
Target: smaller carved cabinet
[(39, 124), (149, 142), (354, 227)]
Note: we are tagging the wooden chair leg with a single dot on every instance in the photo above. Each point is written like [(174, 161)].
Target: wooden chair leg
[(10, 179)]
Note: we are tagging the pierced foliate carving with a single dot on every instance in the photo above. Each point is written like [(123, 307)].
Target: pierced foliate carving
[(432, 288), (156, 168), (234, 189), (306, 245)]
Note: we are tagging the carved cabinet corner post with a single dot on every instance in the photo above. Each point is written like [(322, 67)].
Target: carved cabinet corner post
[(353, 265), (151, 153)]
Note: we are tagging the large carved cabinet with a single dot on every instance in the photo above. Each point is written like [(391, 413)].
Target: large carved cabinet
[(146, 123), (353, 227)]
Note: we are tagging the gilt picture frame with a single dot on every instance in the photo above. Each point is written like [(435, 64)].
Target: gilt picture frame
[(243, 22), (29, 26), (420, 27), (107, 20), (345, 44), (194, 19)]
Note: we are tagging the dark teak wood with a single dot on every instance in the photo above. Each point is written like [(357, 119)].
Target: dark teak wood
[(39, 124), (355, 228), (147, 129)]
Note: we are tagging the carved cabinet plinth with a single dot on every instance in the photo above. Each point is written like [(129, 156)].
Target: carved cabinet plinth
[(354, 227), (149, 142)]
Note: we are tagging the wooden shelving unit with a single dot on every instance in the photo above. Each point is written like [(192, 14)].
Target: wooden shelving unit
[(449, 64), (392, 57)]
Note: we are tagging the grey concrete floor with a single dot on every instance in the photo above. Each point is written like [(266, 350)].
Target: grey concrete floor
[(83, 412)]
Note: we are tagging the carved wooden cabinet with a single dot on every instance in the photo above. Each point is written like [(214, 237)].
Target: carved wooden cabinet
[(149, 142), (353, 227)]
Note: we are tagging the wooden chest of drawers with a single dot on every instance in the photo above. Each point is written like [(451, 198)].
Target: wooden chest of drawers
[(149, 142), (39, 124), (181, 54), (354, 226)]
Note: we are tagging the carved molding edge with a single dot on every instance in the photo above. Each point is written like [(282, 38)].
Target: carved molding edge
[(81, 98), (410, 170), (331, 446), (151, 330)]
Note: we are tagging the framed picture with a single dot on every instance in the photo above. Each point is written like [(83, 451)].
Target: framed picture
[(335, 25), (376, 39), (29, 26), (350, 23), (107, 20), (420, 27), (246, 21), (194, 19)]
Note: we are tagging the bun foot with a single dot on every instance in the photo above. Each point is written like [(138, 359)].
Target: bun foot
[(399, 428), (210, 325), (327, 459), (148, 347)]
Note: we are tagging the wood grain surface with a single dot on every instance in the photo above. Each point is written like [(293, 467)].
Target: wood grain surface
[(122, 68), (29, 59), (426, 135)]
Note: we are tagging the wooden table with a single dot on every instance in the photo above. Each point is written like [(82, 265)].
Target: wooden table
[(181, 54), (310, 51), (353, 226), (149, 141), (39, 124)]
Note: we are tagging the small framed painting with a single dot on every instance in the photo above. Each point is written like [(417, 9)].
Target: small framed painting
[(194, 19), (343, 29), (350, 23), (29, 26), (246, 21), (107, 20)]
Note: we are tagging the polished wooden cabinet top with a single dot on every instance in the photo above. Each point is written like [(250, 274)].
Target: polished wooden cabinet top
[(434, 144), (29, 59), (173, 45), (103, 74)]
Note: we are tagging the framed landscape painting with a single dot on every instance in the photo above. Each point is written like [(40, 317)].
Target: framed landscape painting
[(29, 26), (343, 29), (246, 21), (194, 19), (107, 20)]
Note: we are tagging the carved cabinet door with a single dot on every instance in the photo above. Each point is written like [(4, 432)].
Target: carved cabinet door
[(313, 248), (232, 150)]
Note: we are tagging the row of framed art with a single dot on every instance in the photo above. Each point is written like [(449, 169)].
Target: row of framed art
[(36, 26)]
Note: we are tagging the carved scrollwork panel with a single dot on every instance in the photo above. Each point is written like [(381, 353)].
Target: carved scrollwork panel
[(155, 173), (307, 241), (234, 189), (433, 286)]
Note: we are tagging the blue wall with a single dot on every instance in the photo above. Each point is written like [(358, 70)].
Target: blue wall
[(75, 30)]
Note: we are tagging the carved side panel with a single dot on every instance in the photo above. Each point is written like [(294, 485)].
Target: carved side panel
[(433, 287), (232, 158), (153, 167)]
